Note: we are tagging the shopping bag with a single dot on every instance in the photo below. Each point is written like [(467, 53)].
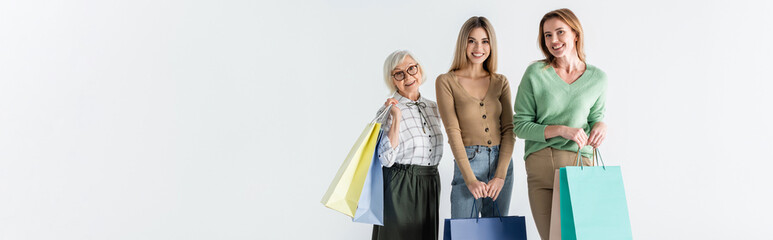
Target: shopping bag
[(370, 207), (593, 204), (494, 228), (344, 192), (555, 209)]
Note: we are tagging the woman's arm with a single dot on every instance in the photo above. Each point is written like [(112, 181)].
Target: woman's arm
[(598, 128), (390, 142), (394, 130), (506, 142), (525, 119), (446, 108)]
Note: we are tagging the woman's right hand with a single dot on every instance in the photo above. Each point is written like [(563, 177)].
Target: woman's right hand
[(394, 111), (478, 189), (575, 134)]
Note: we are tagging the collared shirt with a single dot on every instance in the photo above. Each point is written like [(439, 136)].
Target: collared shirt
[(421, 138)]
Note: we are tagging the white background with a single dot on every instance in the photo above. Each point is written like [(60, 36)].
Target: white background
[(228, 119)]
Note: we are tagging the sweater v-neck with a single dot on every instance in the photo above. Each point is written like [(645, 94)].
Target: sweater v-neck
[(586, 74), (488, 89)]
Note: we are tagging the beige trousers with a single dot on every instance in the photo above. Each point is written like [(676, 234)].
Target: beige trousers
[(541, 167)]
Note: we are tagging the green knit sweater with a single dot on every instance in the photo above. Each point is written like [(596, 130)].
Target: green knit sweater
[(544, 99)]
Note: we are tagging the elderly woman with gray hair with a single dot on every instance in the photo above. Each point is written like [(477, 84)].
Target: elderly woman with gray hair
[(410, 150)]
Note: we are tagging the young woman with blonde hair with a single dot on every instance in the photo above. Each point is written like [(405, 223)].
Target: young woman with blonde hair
[(475, 105)]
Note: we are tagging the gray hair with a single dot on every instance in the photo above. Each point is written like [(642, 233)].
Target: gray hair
[(392, 61)]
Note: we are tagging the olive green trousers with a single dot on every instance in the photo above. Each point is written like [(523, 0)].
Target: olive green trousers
[(410, 203)]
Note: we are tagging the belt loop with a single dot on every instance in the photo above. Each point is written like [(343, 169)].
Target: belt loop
[(552, 159)]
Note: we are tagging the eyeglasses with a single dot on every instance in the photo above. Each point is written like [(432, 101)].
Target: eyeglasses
[(412, 70)]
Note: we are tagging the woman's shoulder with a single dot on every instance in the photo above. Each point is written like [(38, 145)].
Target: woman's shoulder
[(535, 71), (597, 73), (537, 67), (445, 77), (498, 77), (595, 69)]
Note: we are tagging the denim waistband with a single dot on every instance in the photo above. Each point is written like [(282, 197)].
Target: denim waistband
[(480, 148), (415, 169)]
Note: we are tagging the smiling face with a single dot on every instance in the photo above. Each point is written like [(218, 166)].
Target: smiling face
[(410, 84), (478, 48), (559, 38)]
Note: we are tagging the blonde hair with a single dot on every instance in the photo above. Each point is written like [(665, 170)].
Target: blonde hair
[(460, 56), (568, 17), (394, 59)]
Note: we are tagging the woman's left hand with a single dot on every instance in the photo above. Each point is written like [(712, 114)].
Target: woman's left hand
[(597, 134), (495, 187), (395, 111)]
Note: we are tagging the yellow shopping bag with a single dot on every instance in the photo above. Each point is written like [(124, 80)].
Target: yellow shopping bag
[(344, 192)]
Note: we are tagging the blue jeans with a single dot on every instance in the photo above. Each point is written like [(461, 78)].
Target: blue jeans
[(484, 161)]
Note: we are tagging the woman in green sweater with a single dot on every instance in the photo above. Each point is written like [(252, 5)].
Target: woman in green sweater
[(559, 108)]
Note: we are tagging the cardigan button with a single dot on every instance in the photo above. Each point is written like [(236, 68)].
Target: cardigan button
[(484, 116), (489, 141), (481, 104), (486, 130)]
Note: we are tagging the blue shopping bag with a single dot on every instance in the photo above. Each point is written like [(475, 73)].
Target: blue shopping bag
[(593, 204), (345, 192), (370, 208), (495, 228)]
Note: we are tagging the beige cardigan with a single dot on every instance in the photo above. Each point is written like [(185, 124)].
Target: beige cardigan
[(470, 121)]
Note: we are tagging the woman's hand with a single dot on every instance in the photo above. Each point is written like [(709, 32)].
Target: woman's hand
[(597, 134), (575, 134), (494, 187), (478, 189), (394, 111), (394, 130)]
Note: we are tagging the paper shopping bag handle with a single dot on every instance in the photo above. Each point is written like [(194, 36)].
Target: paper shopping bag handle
[(477, 217), (579, 157), (381, 117), (596, 157)]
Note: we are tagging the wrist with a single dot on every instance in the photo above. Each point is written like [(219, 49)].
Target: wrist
[(552, 131), (469, 180), (396, 120)]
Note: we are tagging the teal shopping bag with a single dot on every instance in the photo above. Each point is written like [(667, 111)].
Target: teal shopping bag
[(593, 204)]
